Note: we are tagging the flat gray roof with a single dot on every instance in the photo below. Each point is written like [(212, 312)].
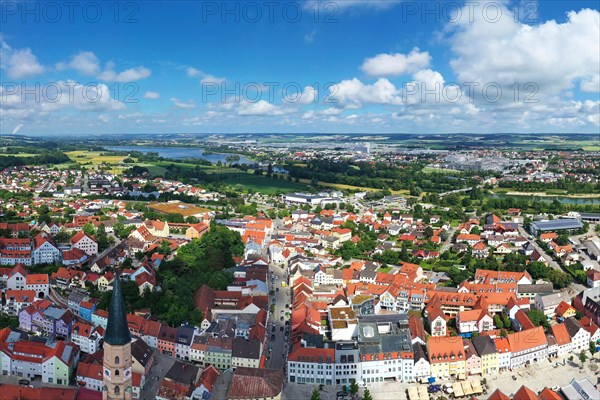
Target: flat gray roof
[(557, 224)]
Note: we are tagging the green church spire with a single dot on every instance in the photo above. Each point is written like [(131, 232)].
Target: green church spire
[(117, 331)]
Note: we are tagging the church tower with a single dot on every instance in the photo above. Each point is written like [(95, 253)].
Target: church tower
[(117, 349)]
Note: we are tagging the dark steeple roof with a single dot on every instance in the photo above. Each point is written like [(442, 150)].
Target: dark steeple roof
[(117, 331)]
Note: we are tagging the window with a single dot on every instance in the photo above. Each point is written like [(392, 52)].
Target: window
[(116, 372), (117, 390), (117, 360)]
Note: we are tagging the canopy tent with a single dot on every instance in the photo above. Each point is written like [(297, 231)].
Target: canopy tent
[(413, 393), (466, 388), (458, 392), (477, 389)]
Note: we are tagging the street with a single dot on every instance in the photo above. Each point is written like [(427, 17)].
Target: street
[(276, 321)]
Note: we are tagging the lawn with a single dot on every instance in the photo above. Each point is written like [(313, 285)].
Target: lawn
[(263, 184), (430, 170)]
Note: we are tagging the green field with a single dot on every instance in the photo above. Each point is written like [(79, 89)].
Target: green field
[(430, 170)]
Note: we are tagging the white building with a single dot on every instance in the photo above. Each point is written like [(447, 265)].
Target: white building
[(39, 283), (580, 338), (421, 368), (83, 242), (527, 347), (86, 337), (311, 365)]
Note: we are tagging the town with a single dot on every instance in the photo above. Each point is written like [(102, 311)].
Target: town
[(328, 293)]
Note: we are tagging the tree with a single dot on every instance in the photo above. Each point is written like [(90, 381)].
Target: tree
[(538, 318), (353, 387), (62, 237), (88, 229), (498, 322), (592, 348), (101, 237), (582, 357), (367, 395), (349, 250), (428, 232), (559, 279), (538, 270), (506, 321), (164, 248), (315, 394)]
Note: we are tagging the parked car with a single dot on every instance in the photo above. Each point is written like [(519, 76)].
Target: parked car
[(272, 338), (23, 382)]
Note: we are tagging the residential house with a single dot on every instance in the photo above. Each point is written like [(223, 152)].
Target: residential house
[(478, 320), (580, 338), (484, 345), (86, 337), (84, 242), (562, 339), (446, 357), (527, 347)]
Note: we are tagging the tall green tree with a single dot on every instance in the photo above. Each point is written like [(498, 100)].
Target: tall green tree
[(315, 394), (353, 387)]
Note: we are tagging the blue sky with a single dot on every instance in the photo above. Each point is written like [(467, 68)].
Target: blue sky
[(348, 66)]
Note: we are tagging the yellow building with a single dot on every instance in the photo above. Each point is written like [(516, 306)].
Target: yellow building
[(196, 231), (446, 356), (484, 345)]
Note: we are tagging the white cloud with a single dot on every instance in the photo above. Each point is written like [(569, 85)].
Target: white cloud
[(591, 83), (61, 96), (356, 92), (551, 55), (309, 95), (397, 63), (210, 79), (331, 111), (205, 78), (259, 108), (19, 63), (152, 95), (308, 115), (193, 72), (129, 75), (183, 104), (85, 62)]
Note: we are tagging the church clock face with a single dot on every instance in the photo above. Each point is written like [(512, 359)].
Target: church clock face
[(107, 372), (127, 373)]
